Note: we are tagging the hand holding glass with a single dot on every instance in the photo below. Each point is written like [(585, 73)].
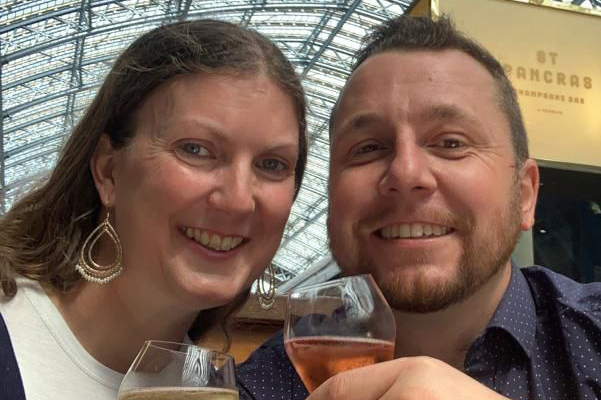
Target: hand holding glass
[(178, 371), (336, 326)]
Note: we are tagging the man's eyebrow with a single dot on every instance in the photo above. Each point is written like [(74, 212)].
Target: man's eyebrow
[(437, 112), (358, 121), (449, 112)]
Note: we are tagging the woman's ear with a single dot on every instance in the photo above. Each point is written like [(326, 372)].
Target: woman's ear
[(102, 167), (528, 186)]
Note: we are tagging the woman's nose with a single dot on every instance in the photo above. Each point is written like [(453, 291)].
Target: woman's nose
[(233, 191)]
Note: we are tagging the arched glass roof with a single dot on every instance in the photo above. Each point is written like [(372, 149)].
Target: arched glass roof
[(55, 54)]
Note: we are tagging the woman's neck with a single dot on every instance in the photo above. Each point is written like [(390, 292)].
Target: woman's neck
[(112, 321)]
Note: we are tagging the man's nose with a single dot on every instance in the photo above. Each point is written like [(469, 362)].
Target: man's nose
[(408, 172), (234, 191)]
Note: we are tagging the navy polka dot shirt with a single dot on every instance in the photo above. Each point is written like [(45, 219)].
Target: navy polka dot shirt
[(543, 342)]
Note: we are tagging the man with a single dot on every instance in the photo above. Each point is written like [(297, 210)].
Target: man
[(430, 186)]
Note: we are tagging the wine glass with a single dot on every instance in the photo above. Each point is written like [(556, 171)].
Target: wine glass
[(336, 326), (179, 371)]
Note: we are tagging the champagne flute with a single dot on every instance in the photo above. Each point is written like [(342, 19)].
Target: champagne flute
[(179, 371), (336, 326)]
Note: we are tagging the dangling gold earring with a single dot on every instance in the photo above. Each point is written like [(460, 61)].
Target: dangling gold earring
[(266, 297), (88, 268)]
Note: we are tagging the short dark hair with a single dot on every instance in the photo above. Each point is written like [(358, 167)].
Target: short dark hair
[(406, 33)]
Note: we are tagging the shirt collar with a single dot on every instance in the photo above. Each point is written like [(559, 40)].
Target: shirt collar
[(516, 313)]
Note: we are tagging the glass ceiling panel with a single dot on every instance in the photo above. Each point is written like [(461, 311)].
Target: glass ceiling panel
[(56, 53)]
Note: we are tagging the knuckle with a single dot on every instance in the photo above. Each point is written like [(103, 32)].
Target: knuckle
[(428, 361), (413, 391), (423, 363), (337, 386)]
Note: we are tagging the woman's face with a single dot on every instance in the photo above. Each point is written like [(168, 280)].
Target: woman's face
[(201, 196)]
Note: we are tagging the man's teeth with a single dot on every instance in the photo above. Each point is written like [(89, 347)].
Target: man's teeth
[(413, 231), (213, 240)]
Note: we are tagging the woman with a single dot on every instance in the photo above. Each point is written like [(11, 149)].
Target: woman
[(168, 200)]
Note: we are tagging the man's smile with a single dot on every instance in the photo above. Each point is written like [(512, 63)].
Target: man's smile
[(413, 230)]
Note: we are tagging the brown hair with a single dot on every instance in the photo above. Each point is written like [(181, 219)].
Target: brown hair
[(405, 33), (42, 234)]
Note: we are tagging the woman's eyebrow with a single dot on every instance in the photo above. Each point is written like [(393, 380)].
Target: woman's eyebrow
[(206, 126)]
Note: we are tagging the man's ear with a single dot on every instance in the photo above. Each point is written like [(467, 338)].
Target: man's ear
[(102, 166), (529, 180)]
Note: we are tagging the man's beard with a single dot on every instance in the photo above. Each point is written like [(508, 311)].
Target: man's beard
[(482, 258)]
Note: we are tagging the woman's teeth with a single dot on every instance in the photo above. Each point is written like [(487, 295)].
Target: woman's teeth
[(213, 241), (413, 231)]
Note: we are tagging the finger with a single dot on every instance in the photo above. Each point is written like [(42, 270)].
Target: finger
[(366, 383)]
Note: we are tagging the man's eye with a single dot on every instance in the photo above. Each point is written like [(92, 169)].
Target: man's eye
[(367, 148), (450, 143)]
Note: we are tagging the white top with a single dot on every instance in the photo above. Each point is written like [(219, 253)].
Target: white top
[(52, 362)]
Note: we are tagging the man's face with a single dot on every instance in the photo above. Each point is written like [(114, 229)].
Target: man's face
[(424, 188)]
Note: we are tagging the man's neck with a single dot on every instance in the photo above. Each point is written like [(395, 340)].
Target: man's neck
[(448, 334)]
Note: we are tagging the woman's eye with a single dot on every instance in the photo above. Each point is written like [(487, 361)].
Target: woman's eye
[(272, 164), (195, 149), (193, 153)]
